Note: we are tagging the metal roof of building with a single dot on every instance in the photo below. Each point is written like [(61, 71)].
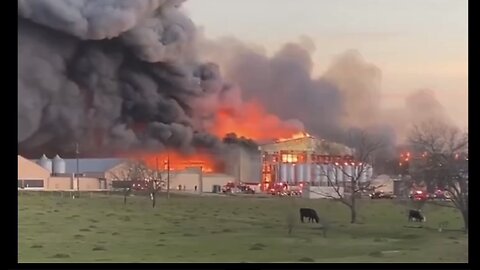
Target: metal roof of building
[(90, 165)]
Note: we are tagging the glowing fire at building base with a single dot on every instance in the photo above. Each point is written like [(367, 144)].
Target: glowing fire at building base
[(305, 160)]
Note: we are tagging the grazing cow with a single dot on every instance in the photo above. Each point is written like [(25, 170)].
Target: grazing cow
[(308, 213), (416, 215)]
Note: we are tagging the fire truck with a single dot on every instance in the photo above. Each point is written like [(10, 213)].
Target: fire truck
[(283, 189), (231, 187)]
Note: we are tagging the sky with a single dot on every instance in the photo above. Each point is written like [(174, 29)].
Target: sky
[(417, 44)]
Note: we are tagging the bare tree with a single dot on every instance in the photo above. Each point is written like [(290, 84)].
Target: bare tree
[(125, 177), (138, 171), (155, 184), (443, 162), (348, 180)]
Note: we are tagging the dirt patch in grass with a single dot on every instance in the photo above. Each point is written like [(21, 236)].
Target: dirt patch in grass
[(410, 236), (188, 234), (115, 233), (379, 240), (257, 246), (227, 230), (85, 230), (93, 220), (125, 218), (36, 246), (160, 245), (78, 236), (60, 256), (375, 254), (98, 248)]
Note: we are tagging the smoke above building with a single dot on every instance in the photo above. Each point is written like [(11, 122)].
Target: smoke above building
[(122, 75), (344, 99)]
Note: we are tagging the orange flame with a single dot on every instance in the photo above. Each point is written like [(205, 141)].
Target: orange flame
[(298, 135), (251, 122), (178, 161)]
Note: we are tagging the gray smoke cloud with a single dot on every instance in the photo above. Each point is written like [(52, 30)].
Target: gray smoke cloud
[(116, 75), (346, 98), (112, 75)]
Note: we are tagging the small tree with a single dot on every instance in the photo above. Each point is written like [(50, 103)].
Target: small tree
[(348, 190), (155, 184), (124, 178), (444, 161), (138, 171)]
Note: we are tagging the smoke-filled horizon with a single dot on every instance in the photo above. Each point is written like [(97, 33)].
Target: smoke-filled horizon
[(112, 76), (121, 75), (346, 97)]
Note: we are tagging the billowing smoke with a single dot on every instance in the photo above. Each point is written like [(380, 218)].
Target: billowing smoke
[(112, 75), (347, 97), (115, 75)]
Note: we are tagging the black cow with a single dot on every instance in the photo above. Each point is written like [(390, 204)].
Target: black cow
[(308, 213), (416, 215)]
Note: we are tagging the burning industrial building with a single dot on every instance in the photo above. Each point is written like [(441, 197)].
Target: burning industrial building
[(127, 79), (120, 76)]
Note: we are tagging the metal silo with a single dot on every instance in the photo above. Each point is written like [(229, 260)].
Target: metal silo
[(323, 174), (299, 168), (58, 165), (339, 173), (348, 172), (45, 163), (331, 173), (363, 174), (307, 173), (283, 172), (369, 172), (290, 173), (316, 174)]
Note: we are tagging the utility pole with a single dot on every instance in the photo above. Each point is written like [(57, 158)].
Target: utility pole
[(157, 172), (168, 174), (77, 153)]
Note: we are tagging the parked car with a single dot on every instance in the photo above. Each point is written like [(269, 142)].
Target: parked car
[(419, 196), (381, 195), (441, 195)]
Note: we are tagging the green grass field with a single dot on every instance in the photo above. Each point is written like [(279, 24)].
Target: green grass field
[(228, 229)]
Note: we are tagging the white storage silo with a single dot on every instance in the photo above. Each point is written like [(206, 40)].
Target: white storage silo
[(283, 172), (348, 172), (307, 173), (323, 174), (299, 168), (45, 163), (339, 173), (363, 174), (369, 172), (290, 173), (58, 165), (316, 174), (331, 173)]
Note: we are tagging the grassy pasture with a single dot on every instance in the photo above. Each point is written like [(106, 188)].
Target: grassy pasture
[(98, 228)]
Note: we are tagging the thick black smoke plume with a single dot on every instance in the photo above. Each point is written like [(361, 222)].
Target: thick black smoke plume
[(116, 75), (346, 98), (112, 75)]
